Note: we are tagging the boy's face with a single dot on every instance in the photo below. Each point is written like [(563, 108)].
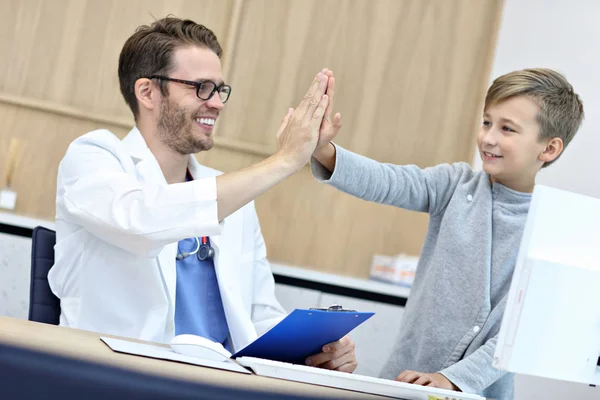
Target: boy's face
[(508, 142)]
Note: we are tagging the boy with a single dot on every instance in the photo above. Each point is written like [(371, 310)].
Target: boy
[(476, 222)]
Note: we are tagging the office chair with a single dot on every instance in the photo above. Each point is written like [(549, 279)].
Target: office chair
[(44, 306)]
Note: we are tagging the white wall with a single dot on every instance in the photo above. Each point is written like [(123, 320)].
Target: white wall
[(563, 35)]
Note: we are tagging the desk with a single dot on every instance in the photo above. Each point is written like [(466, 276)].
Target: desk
[(87, 346), (295, 288)]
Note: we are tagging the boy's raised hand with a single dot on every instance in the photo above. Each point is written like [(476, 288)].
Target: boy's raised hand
[(298, 134), (330, 126)]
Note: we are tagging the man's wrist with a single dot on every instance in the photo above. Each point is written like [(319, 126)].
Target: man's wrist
[(286, 163)]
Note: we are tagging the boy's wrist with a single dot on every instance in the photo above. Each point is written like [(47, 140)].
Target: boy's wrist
[(445, 382), (325, 155)]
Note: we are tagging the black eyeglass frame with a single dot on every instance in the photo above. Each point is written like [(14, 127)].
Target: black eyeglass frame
[(198, 85)]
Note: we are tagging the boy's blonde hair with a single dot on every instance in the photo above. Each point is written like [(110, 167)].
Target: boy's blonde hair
[(561, 109)]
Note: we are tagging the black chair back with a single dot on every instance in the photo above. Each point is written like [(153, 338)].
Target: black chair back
[(44, 306)]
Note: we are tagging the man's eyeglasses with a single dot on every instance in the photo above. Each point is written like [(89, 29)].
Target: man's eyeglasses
[(204, 89)]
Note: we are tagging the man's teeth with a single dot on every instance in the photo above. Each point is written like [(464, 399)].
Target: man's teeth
[(206, 121)]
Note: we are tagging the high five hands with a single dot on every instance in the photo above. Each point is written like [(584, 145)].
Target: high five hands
[(310, 127)]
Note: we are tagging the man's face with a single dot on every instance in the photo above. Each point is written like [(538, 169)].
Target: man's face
[(185, 122), (509, 143)]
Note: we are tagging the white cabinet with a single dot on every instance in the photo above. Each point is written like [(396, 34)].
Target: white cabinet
[(15, 270), (292, 297)]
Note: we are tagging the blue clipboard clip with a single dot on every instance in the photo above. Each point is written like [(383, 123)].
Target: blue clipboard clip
[(333, 307)]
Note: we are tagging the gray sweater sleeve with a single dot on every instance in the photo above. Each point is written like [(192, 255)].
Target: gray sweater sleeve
[(475, 372), (410, 187)]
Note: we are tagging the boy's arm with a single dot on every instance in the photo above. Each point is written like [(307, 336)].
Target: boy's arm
[(475, 372), (426, 190)]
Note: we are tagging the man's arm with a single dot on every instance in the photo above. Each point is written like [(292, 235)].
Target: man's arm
[(97, 193), (297, 141)]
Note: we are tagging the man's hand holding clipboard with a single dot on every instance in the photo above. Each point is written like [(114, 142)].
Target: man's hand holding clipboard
[(318, 335)]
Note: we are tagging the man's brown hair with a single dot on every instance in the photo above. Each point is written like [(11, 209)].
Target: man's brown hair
[(149, 51)]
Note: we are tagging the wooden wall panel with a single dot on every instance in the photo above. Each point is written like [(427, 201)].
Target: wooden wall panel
[(409, 73), (66, 51), (316, 227), (45, 138), (411, 78)]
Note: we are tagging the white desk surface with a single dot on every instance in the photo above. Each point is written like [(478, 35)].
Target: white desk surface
[(339, 280), (23, 221)]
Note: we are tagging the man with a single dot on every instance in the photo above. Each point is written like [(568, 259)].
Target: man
[(150, 244)]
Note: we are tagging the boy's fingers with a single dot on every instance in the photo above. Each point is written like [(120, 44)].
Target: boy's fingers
[(330, 92)]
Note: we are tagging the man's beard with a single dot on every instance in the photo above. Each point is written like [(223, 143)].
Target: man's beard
[(175, 129)]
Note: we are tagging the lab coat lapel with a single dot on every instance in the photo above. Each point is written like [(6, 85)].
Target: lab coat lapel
[(228, 249), (148, 170)]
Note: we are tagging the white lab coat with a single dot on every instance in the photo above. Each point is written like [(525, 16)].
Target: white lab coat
[(118, 223)]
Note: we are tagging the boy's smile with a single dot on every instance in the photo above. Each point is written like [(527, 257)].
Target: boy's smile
[(489, 157), (509, 142)]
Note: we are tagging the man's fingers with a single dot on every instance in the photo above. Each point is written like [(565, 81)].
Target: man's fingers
[(285, 121), (336, 362), (338, 344), (319, 359), (313, 97), (311, 94), (331, 351), (330, 92), (319, 112), (348, 367)]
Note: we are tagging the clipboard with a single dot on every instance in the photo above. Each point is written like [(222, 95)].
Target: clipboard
[(303, 333)]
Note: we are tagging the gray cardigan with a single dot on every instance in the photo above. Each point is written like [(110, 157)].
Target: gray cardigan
[(459, 293)]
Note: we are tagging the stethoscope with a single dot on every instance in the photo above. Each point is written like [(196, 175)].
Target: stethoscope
[(203, 251)]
